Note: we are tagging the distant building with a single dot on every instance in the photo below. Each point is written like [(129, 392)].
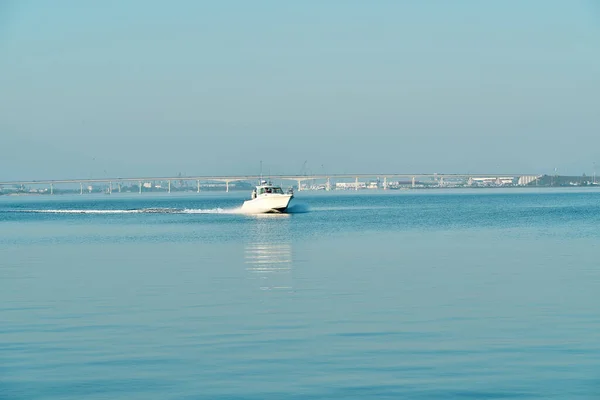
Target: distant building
[(526, 180), (349, 185), (491, 181)]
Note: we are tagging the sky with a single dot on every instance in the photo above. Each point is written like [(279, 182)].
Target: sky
[(155, 88)]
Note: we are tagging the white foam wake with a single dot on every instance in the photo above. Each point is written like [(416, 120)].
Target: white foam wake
[(211, 211), (137, 211), (294, 209)]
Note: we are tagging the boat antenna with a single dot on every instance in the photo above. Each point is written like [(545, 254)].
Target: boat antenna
[(260, 181)]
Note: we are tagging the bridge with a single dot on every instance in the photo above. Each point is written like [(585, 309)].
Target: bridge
[(118, 181)]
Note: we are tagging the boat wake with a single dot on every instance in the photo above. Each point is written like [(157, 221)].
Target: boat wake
[(137, 211), (295, 209)]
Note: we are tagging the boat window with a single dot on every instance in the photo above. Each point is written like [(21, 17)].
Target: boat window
[(270, 190)]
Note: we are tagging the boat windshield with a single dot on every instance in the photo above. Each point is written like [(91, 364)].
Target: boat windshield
[(274, 189)]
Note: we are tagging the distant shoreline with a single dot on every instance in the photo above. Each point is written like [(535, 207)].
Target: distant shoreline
[(349, 190)]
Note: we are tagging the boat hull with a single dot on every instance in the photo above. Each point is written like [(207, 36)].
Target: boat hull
[(268, 204)]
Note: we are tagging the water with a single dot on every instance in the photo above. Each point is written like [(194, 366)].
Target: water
[(412, 295)]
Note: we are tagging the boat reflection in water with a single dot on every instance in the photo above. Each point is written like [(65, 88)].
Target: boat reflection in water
[(268, 252)]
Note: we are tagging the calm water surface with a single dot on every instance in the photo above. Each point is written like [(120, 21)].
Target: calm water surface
[(420, 295)]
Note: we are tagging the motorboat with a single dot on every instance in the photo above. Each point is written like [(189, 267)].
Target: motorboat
[(268, 198)]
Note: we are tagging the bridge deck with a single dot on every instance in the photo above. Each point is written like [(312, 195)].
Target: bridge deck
[(234, 178)]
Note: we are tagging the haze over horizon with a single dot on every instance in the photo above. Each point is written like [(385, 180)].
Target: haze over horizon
[(211, 88)]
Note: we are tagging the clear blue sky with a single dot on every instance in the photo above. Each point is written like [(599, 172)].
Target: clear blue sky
[(122, 88)]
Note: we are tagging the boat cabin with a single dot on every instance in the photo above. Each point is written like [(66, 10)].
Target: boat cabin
[(267, 189)]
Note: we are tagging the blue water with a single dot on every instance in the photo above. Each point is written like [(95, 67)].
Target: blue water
[(391, 295)]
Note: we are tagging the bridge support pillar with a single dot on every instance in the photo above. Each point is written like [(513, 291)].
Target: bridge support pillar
[(299, 184), (413, 181), (198, 183), (356, 183), (385, 184), (227, 186), (140, 182), (109, 187), (119, 186), (51, 189), (80, 188), (328, 186), (169, 186)]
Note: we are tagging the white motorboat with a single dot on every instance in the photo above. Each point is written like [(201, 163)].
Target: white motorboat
[(268, 198)]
